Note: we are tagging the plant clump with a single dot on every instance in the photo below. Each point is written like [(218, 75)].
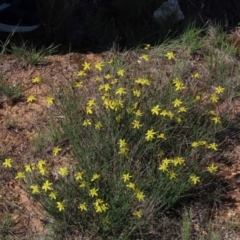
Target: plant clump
[(137, 144)]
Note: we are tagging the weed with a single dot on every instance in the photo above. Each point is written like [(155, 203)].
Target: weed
[(5, 228), (12, 92), (186, 226), (12, 124), (31, 54), (5, 44)]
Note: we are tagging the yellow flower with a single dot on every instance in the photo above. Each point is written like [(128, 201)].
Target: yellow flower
[(50, 100), (31, 98), (107, 76), (130, 185), (194, 144), (163, 167), (29, 167), (150, 135), (136, 92), (123, 151), (100, 206), (89, 110), (212, 168), (110, 61), (53, 195), (219, 90), (182, 109), (172, 175), (36, 80), (126, 177), (81, 73), (138, 214), (7, 163), (176, 81), (60, 206), (83, 184), (142, 81), (87, 122), (212, 146), (113, 104), (79, 84), (86, 66), (216, 120), (114, 81), (98, 202), (202, 143), (170, 114), (123, 147), (162, 136), (93, 192), (47, 186), (95, 177), (198, 97), (194, 179), (98, 125), (97, 79), (147, 46), (212, 112), (82, 206), (164, 113), (138, 113), (214, 98), (34, 188), (121, 91), (179, 86), (104, 87), (99, 66), (41, 163), (91, 103), (79, 176), (120, 72), (177, 102), (20, 175), (63, 171), (42, 170), (136, 124), (56, 150), (196, 75), (179, 119), (178, 161), (144, 57), (155, 110), (122, 143), (170, 55), (139, 195)]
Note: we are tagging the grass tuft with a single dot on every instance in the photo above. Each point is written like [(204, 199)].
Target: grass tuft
[(30, 54)]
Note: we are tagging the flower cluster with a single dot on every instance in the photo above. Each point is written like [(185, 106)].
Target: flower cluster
[(138, 195)]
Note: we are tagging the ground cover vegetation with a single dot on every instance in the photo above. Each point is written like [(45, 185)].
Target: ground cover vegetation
[(144, 131)]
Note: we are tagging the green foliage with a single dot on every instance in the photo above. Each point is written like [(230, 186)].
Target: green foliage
[(12, 92), (30, 54), (5, 228)]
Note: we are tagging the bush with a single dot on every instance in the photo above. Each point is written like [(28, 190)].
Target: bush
[(138, 145)]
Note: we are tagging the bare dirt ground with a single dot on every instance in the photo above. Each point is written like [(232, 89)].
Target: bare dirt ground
[(21, 122)]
